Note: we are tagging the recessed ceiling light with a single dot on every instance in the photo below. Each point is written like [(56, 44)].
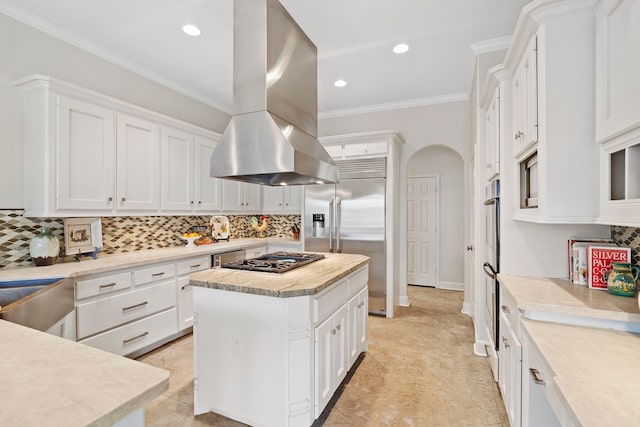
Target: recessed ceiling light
[(191, 30), (340, 83), (283, 183), (400, 48)]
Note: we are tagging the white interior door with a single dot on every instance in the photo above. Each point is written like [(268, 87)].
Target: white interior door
[(422, 230)]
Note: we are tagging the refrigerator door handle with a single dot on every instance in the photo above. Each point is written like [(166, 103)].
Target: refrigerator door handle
[(331, 225), (338, 223)]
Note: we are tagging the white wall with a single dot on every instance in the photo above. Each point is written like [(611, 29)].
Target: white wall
[(448, 164), (432, 125), (25, 50)]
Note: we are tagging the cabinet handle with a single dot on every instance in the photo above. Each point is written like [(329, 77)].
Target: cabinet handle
[(506, 344), (196, 265), (535, 376), (488, 165), (157, 274), (110, 199), (124, 199), (108, 285), (137, 337), (199, 202), (131, 307), (191, 202), (286, 204), (338, 327), (506, 309)]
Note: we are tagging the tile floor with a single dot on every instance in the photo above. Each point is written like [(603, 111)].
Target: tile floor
[(420, 371)]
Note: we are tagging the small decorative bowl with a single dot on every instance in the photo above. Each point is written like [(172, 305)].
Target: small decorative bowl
[(190, 241)]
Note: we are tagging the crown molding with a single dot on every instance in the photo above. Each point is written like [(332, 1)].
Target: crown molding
[(492, 45), (32, 20), (409, 103)]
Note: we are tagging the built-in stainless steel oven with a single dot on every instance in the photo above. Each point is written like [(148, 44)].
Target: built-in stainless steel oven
[(491, 265)]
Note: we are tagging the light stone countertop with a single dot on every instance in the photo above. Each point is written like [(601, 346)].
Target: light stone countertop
[(557, 296), (46, 380), (106, 263), (306, 280), (595, 370)]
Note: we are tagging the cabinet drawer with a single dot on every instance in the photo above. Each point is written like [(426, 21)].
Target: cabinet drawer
[(136, 335), (115, 310), (102, 285), (352, 150), (509, 308), (358, 281), (194, 264), (329, 302), (151, 274)]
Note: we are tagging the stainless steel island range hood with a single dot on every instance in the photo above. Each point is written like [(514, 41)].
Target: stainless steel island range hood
[(272, 136)]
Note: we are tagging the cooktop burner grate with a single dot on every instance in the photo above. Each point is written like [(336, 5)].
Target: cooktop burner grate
[(277, 262)]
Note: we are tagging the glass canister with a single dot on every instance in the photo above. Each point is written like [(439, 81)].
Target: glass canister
[(622, 279), (44, 248)]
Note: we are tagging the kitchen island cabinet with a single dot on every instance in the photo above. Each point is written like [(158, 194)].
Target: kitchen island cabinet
[(271, 349)]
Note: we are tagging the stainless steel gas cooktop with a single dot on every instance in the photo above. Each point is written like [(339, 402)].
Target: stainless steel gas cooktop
[(277, 262)]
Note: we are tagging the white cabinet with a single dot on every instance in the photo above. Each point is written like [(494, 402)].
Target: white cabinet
[(185, 292), (187, 186), (281, 199), (510, 358), (492, 136), (91, 155), (540, 402), (241, 196), (137, 163), (85, 156), (358, 313), (525, 99), (620, 180), (617, 68), (618, 111), (551, 60), (331, 357), (255, 252)]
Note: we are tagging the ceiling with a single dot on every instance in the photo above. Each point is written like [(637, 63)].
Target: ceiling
[(354, 40)]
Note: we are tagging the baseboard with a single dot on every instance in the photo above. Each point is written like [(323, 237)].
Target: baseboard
[(479, 348), (467, 309), (403, 301), (451, 286)]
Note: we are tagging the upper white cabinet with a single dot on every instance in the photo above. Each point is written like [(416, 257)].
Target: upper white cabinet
[(138, 163), (241, 196), (492, 136), (618, 111), (551, 61), (88, 154), (85, 156), (617, 68), (281, 199), (524, 91)]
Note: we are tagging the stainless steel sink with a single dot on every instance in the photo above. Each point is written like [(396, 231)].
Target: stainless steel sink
[(38, 303)]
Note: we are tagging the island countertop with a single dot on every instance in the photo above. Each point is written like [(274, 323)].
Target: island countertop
[(48, 380), (306, 280)]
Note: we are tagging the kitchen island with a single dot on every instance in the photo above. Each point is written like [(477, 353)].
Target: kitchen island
[(271, 349)]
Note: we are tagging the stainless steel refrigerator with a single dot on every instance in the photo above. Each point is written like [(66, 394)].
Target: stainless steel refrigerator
[(349, 217)]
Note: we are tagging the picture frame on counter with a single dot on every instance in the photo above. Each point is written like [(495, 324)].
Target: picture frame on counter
[(82, 235)]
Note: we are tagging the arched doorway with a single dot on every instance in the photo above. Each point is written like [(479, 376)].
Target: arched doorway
[(443, 167)]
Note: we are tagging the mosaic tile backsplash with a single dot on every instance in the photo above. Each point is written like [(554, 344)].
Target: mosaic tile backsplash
[(628, 237), (123, 234)]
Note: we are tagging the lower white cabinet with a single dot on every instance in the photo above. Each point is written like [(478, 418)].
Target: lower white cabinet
[(331, 357), (134, 336), (111, 311), (358, 313), (185, 292), (510, 369)]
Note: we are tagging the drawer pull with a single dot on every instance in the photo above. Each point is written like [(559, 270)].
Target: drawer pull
[(196, 265), (157, 274), (142, 304), (108, 285), (505, 342), (506, 309), (338, 327), (535, 376), (137, 337)]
